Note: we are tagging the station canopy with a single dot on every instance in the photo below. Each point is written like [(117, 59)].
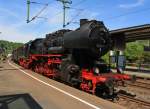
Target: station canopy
[(130, 34)]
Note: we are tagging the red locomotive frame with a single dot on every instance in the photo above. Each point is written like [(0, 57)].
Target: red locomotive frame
[(88, 79)]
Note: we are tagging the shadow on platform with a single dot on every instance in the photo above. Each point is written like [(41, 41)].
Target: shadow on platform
[(18, 101)]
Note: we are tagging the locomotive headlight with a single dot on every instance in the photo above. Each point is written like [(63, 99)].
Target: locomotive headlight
[(96, 70)]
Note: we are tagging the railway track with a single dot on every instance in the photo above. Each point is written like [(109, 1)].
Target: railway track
[(134, 100), (142, 78), (140, 84)]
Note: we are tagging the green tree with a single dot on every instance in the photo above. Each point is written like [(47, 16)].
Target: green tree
[(9, 46), (146, 57), (106, 57), (134, 51)]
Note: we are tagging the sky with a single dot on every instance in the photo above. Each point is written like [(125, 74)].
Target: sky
[(114, 13)]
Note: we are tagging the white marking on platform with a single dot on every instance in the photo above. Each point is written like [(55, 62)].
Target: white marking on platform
[(60, 90)]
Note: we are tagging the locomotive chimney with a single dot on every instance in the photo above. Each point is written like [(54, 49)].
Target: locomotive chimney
[(83, 21)]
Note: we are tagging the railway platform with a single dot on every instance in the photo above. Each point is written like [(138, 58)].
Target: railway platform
[(24, 89)]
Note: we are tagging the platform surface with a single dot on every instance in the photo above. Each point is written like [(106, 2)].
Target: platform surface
[(24, 89)]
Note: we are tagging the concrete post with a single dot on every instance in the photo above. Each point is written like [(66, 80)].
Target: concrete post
[(112, 53), (121, 52)]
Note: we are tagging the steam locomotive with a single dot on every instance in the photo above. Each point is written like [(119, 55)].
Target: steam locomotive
[(73, 56)]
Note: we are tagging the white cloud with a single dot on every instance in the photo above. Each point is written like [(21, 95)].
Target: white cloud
[(12, 34), (11, 29), (132, 5), (87, 14), (57, 19), (92, 15), (8, 12)]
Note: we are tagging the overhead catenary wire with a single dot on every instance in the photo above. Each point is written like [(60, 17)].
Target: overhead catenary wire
[(65, 3), (126, 14), (37, 15), (79, 3), (78, 13), (38, 3), (75, 16), (42, 18), (45, 18), (72, 19), (78, 9), (118, 16), (46, 5)]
